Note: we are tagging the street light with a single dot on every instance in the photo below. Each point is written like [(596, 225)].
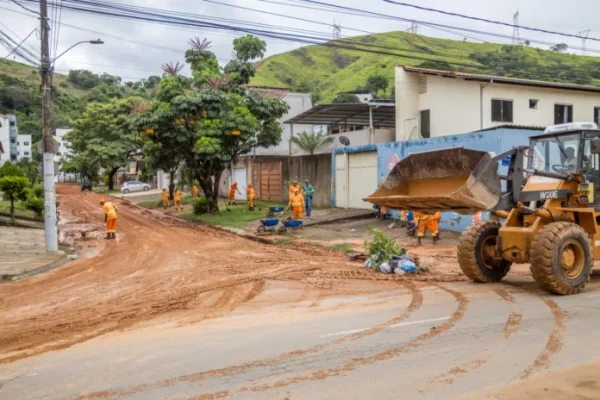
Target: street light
[(97, 41), (50, 221)]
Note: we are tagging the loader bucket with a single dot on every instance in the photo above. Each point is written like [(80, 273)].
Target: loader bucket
[(457, 179)]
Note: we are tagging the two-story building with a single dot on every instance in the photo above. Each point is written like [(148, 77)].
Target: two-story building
[(432, 103)]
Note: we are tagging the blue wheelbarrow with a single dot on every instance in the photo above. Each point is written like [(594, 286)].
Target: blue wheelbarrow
[(268, 224), (291, 224), (275, 209)]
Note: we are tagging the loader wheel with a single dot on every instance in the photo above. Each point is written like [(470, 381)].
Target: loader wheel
[(561, 258), (476, 251)]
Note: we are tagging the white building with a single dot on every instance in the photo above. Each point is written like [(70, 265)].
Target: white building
[(24, 147), (298, 102), (64, 151), (15, 146), (432, 103)]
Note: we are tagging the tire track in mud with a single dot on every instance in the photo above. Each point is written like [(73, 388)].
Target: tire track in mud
[(416, 302), (513, 322)]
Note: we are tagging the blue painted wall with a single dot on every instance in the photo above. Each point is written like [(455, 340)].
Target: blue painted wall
[(496, 141)]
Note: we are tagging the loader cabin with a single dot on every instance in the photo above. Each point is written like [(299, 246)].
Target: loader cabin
[(565, 149)]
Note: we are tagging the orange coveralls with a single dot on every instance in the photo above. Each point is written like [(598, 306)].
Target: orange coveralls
[(295, 188), (232, 189), (427, 221), (251, 193), (165, 198), (195, 192), (297, 205), (177, 197), (110, 210)]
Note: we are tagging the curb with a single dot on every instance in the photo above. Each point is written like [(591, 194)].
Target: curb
[(40, 270), (341, 219)]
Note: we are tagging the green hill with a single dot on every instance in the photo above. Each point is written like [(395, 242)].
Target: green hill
[(327, 71)]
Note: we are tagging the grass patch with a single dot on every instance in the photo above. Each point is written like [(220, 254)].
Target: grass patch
[(237, 217), (284, 241), (343, 247), (20, 210)]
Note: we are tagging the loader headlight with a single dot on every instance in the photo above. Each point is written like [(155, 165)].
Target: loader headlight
[(586, 193)]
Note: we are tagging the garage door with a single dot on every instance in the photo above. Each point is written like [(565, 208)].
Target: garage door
[(270, 182), (341, 181), (239, 176), (362, 178)]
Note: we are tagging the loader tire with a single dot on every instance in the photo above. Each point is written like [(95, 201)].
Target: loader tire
[(477, 263), (561, 258)]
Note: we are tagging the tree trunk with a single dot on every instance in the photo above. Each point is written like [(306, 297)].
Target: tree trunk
[(172, 174), (210, 189), (111, 176), (12, 208)]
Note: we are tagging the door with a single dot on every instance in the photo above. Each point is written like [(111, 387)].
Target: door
[(239, 176), (362, 178), (271, 186), (341, 181)]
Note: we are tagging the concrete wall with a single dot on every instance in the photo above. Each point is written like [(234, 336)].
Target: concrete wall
[(298, 102), (388, 154), (457, 106)]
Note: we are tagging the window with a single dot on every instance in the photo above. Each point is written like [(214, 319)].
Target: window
[(26, 143), (563, 113), (533, 103), (26, 153), (502, 110), (18, 143), (597, 115), (13, 141), (12, 123), (555, 154), (425, 124), (58, 153)]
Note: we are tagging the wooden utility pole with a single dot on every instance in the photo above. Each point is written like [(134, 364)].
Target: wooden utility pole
[(47, 140)]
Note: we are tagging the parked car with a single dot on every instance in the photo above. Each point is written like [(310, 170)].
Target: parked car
[(86, 185), (134, 186)]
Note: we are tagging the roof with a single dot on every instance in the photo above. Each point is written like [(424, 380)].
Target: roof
[(502, 79), (512, 126), (384, 114)]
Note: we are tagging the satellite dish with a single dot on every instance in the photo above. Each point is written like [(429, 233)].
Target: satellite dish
[(344, 141)]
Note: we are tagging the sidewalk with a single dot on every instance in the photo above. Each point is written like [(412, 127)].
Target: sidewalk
[(24, 253)]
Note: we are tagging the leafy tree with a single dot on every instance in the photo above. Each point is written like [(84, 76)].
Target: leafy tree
[(213, 118), (560, 48), (103, 137), (83, 78), (35, 204), (111, 80), (376, 83), (152, 82), (346, 98), (30, 168), (10, 169), (12, 186), (311, 142)]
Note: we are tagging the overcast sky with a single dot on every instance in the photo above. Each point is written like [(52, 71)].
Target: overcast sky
[(133, 61)]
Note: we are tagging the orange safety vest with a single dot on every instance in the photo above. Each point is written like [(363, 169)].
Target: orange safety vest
[(195, 190), (251, 192), (177, 195), (110, 210), (294, 188), (297, 200)]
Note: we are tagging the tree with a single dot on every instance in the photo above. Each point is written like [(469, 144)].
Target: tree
[(560, 48), (376, 83), (103, 137), (346, 98), (212, 118), (152, 82), (10, 169), (311, 142), (83, 78), (12, 187), (30, 168)]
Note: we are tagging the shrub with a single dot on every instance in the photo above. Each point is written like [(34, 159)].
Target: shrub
[(63, 84), (381, 249), (201, 206), (38, 191), (36, 205)]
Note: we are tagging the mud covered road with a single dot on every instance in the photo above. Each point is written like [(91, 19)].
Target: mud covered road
[(176, 311)]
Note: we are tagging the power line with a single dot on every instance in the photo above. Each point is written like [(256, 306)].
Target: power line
[(489, 21), (19, 45)]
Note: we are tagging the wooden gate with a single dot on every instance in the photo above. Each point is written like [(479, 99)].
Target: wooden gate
[(268, 175)]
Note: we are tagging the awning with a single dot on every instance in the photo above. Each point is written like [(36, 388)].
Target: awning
[(384, 114)]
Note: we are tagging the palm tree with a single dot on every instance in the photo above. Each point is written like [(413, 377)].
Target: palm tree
[(311, 142)]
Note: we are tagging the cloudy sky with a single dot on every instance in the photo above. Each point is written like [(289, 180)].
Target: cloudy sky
[(134, 61)]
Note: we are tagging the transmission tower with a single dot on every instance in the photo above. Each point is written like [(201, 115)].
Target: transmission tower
[(584, 35), (414, 28), (337, 30), (516, 39)]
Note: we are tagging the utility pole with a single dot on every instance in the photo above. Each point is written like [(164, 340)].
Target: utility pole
[(47, 139), (584, 35), (516, 38)]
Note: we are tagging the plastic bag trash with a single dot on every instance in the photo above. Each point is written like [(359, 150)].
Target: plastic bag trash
[(398, 271), (409, 267), (385, 268), (406, 257), (367, 263)]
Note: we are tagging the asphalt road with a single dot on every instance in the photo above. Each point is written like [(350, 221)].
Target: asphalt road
[(413, 342)]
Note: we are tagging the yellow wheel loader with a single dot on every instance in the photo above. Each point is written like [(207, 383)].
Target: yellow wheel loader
[(546, 209)]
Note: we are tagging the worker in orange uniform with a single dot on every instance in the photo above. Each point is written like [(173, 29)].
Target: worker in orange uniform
[(195, 192), (165, 198), (426, 221), (297, 204), (177, 197), (436, 220), (110, 218), (232, 189), (295, 187), (251, 193)]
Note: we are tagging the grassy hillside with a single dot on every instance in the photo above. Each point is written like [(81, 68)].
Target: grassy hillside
[(328, 71)]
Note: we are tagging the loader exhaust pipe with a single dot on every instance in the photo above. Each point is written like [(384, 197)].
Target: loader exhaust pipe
[(458, 179)]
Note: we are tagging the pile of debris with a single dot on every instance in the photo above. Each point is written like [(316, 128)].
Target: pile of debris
[(387, 257)]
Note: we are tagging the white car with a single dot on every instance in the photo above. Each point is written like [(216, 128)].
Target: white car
[(134, 186)]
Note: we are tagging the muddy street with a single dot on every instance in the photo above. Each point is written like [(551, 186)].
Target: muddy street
[(173, 310)]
